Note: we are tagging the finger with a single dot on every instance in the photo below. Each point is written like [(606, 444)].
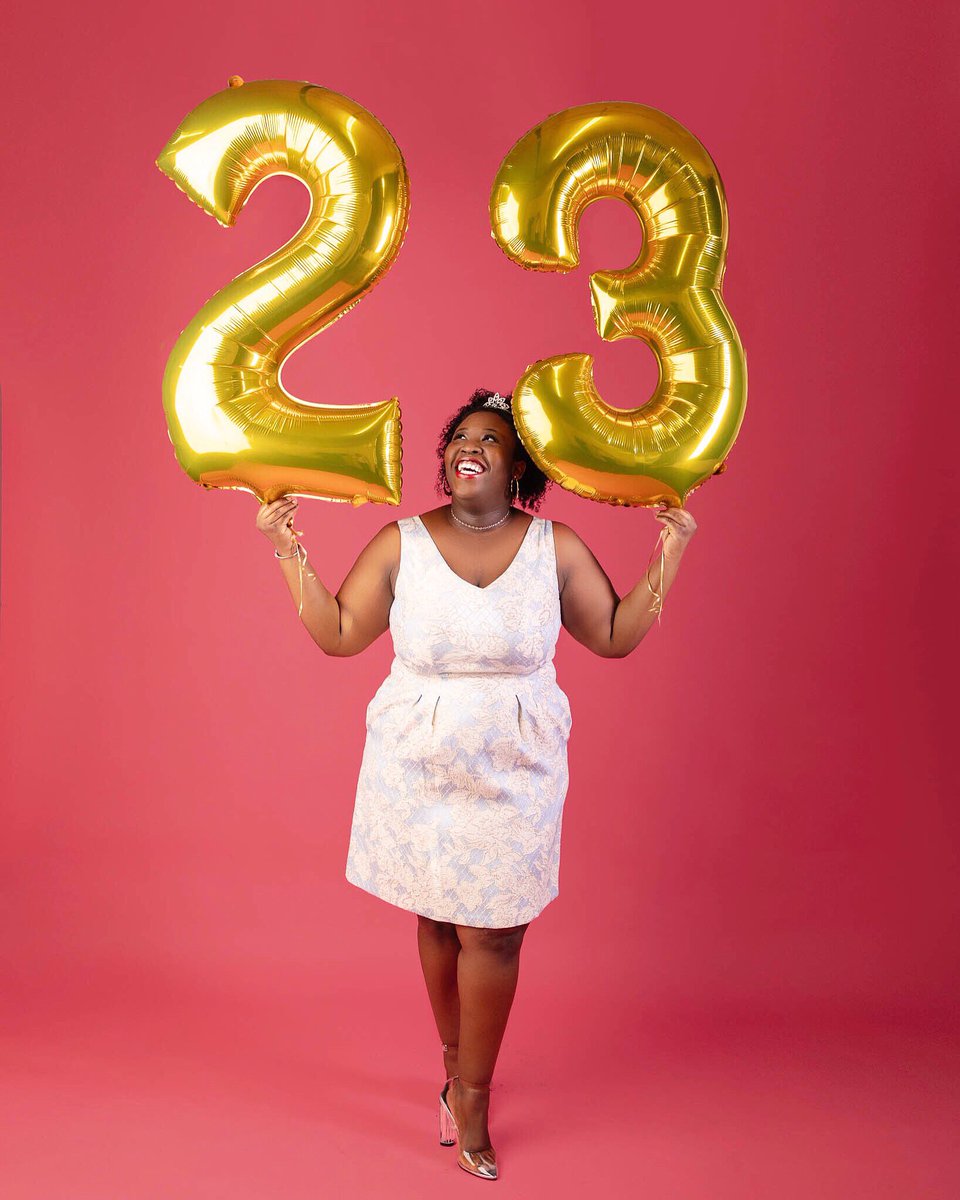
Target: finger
[(284, 508)]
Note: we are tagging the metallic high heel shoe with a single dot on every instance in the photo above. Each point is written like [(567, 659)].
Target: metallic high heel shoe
[(447, 1129), (482, 1163)]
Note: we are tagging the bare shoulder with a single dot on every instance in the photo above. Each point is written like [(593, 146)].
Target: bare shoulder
[(386, 542), (382, 551), (390, 531), (377, 563), (569, 543)]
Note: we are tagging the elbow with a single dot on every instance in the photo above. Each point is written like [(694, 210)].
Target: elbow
[(344, 648), (615, 651), (341, 648), (337, 650), (610, 650)]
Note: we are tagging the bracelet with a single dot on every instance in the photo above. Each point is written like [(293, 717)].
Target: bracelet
[(277, 554)]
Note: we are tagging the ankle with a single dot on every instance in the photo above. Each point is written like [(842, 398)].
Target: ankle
[(482, 1088), (471, 1098)]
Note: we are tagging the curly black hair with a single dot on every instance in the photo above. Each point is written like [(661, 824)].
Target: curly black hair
[(532, 483)]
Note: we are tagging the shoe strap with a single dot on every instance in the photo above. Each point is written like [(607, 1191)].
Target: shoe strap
[(479, 1087)]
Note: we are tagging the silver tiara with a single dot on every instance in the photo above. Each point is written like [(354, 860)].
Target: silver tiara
[(496, 401)]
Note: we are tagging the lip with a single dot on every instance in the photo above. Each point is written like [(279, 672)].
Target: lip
[(467, 458)]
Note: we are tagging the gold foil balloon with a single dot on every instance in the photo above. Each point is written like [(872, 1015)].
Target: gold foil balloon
[(669, 297), (230, 420)]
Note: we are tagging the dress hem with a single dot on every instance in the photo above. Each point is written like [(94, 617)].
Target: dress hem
[(433, 915)]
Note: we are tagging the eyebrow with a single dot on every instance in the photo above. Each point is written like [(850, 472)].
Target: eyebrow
[(486, 429)]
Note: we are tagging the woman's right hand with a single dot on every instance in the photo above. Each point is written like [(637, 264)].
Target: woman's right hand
[(275, 521)]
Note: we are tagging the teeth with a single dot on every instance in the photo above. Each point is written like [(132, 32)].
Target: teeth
[(469, 468)]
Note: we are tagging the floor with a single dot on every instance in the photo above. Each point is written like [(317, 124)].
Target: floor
[(124, 1096)]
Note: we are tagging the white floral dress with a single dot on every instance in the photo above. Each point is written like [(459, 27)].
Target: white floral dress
[(464, 773)]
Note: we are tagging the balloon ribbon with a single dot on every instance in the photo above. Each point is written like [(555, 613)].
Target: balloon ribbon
[(657, 607)]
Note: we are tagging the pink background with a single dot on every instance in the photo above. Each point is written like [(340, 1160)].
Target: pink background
[(746, 986)]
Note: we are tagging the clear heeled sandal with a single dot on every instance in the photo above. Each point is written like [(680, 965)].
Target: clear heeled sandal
[(482, 1163), (448, 1134)]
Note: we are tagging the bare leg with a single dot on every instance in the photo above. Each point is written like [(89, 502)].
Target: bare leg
[(487, 971), (439, 948)]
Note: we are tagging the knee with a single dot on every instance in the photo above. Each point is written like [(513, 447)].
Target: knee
[(436, 929), (501, 943)]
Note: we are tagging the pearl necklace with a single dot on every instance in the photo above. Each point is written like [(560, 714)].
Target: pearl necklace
[(478, 528)]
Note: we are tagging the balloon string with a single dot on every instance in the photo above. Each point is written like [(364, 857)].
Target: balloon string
[(301, 562), (657, 605)]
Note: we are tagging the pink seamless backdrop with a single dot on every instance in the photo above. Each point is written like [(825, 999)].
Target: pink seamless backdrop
[(751, 966)]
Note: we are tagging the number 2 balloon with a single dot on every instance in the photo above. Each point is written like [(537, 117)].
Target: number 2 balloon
[(231, 422)]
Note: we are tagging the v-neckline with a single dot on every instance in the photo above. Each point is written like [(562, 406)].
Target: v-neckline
[(475, 586)]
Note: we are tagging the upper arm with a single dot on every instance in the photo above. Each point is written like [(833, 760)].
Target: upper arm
[(365, 596), (588, 601)]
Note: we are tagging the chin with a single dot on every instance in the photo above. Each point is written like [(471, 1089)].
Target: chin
[(474, 493)]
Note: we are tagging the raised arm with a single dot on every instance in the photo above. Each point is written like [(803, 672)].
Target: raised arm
[(590, 608), (345, 623)]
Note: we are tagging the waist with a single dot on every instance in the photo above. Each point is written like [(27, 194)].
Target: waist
[(544, 670)]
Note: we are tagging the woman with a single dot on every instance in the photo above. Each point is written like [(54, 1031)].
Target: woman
[(464, 772)]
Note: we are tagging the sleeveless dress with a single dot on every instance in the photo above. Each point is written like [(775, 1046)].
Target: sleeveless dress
[(464, 771)]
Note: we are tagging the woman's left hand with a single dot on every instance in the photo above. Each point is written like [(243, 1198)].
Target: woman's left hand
[(680, 527)]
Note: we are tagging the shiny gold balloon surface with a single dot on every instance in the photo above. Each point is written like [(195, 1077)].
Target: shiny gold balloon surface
[(230, 420), (669, 297)]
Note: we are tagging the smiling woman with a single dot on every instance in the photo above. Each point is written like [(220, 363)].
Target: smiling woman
[(461, 789), (532, 483)]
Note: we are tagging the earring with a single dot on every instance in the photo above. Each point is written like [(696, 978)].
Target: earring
[(515, 488)]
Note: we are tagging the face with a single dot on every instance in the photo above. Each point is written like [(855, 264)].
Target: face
[(479, 460)]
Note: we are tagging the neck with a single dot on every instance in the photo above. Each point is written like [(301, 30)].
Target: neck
[(479, 514)]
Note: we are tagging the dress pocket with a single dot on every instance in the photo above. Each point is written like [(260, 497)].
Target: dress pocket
[(390, 709), (543, 719), (529, 722)]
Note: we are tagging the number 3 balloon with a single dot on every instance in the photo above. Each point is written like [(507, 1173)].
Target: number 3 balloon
[(231, 422), (670, 297)]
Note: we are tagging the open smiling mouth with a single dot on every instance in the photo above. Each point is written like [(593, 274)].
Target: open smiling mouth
[(467, 468)]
